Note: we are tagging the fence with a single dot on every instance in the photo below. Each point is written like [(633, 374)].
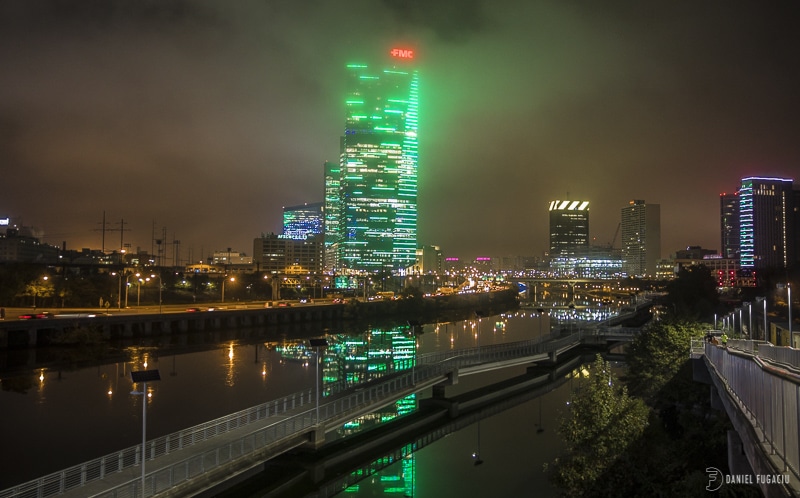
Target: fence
[(769, 400), (429, 366)]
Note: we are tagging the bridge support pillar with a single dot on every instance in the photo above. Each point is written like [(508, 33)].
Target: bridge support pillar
[(737, 459), (316, 437), (553, 356)]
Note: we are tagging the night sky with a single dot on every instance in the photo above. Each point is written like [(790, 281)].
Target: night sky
[(207, 117)]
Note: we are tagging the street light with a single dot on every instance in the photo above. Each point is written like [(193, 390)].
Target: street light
[(144, 376), (750, 319), (789, 303), (318, 343), (764, 299), (741, 326), (233, 279), (127, 286), (159, 290)]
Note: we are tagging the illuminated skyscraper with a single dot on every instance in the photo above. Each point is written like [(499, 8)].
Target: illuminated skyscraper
[(569, 227), (767, 221), (300, 222), (376, 224), (641, 238), (729, 225)]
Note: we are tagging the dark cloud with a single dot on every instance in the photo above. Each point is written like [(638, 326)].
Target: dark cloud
[(208, 117), (450, 21)]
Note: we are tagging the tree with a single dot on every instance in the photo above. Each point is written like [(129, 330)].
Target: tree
[(603, 422), (657, 354), (693, 294)]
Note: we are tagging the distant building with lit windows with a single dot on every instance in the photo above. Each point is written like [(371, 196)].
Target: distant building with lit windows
[(767, 223), (641, 238), (300, 222), (372, 196), (729, 224), (569, 227), (277, 254)]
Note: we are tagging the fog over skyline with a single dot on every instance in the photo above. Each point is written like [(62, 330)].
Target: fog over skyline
[(207, 117)]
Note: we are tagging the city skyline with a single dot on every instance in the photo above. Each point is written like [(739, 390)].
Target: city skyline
[(207, 120)]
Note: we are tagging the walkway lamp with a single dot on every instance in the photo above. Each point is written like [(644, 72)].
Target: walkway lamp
[(318, 343), (741, 326), (788, 286), (750, 319), (144, 376), (764, 299)]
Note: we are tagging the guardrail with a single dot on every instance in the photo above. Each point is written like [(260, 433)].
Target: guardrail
[(79, 475), (770, 401), (783, 355), (429, 366)]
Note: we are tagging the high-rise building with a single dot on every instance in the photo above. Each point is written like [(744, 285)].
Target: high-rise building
[(729, 225), (767, 223), (300, 222), (569, 227), (277, 254), (641, 238), (373, 221)]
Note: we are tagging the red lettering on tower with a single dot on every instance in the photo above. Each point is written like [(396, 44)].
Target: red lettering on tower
[(402, 53)]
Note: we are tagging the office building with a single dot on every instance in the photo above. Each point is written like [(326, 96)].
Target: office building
[(569, 227), (372, 196), (301, 222), (277, 254), (641, 238), (767, 223), (729, 225)]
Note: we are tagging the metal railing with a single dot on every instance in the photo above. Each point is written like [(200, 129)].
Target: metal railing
[(79, 475), (783, 355), (771, 402), (429, 366)]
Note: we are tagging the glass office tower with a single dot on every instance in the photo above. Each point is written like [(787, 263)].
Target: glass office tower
[(300, 222), (569, 227), (766, 223), (376, 203)]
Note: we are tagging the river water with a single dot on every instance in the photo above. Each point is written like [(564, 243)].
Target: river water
[(56, 417)]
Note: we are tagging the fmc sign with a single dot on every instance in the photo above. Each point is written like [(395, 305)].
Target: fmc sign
[(402, 53)]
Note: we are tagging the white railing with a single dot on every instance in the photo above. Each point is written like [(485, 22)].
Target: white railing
[(770, 401), (79, 475), (428, 366)]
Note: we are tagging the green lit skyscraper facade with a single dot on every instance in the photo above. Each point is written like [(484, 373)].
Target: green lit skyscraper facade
[(376, 205)]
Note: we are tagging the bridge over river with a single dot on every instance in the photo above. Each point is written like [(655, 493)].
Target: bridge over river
[(201, 458)]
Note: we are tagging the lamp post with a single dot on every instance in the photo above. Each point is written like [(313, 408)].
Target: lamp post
[(764, 299), (789, 305), (233, 279), (750, 319), (741, 326), (144, 376), (318, 343), (127, 286), (715, 321), (159, 290), (789, 298)]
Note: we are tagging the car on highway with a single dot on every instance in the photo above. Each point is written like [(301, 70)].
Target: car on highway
[(35, 316)]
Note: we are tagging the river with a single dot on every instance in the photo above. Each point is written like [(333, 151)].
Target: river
[(53, 418)]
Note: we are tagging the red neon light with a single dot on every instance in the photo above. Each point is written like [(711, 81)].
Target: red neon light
[(402, 53)]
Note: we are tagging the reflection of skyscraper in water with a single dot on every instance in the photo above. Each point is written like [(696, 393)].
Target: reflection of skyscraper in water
[(352, 360)]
